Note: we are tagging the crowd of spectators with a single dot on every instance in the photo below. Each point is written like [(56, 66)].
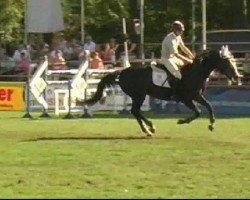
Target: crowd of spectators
[(65, 53)]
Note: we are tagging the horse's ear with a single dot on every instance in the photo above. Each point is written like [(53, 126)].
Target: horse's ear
[(226, 47), (222, 51)]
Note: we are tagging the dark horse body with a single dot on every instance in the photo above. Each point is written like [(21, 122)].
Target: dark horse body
[(137, 83)]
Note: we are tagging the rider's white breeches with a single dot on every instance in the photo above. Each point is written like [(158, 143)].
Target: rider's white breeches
[(172, 65)]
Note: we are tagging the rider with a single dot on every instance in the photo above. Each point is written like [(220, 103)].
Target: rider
[(170, 55)]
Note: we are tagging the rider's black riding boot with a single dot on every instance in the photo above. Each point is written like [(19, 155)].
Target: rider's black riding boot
[(175, 83)]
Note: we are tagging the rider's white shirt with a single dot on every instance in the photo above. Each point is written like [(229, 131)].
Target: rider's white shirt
[(170, 45)]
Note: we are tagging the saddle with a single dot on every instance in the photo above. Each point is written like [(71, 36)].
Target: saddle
[(161, 76)]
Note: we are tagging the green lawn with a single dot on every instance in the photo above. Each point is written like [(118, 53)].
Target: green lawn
[(108, 157)]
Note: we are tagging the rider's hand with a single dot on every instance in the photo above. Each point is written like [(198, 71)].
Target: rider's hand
[(191, 57), (190, 61)]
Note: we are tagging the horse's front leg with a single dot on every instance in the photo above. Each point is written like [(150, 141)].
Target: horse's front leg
[(190, 104), (203, 101)]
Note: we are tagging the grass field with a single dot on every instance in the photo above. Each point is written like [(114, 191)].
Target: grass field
[(108, 157)]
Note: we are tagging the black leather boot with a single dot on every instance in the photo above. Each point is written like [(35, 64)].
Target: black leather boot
[(174, 86)]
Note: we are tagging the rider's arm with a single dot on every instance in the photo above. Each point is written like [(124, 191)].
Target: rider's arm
[(184, 58), (186, 50)]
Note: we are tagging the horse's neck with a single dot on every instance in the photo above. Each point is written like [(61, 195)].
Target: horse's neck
[(206, 70), (199, 71)]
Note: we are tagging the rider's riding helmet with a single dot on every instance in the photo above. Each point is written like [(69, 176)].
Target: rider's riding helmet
[(178, 26)]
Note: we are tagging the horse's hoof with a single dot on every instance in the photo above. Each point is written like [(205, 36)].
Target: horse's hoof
[(181, 121), (148, 132), (211, 127), (152, 129)]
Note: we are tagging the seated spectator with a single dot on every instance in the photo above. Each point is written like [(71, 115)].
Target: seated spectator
[(45, 50), (23, 65), (56, 60), (132, 50), (17, 53), (95, 61), (84, 55), (113, 44), (109, 53), (89, 44), (6, 61)]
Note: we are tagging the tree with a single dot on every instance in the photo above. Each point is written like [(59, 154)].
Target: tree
[(11, 20)]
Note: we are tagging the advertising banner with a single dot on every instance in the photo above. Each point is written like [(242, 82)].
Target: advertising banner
[(224, 100), (12, 96)]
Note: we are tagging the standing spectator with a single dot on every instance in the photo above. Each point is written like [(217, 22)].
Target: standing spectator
[(68, 51), (62, 42), (89, 44)]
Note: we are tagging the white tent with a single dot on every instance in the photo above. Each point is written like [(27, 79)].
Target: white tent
[(44, 16)]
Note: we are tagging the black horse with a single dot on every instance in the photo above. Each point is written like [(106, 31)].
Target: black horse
[(137, 83)]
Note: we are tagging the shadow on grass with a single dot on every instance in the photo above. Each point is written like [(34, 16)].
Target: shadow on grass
[(112, 115), (97, 138), (154, 115)]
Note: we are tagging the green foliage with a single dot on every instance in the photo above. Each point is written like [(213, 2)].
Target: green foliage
[(11, 20), (103, 18)]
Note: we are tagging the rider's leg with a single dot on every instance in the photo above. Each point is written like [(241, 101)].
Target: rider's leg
[(172, 67), (174, 70)]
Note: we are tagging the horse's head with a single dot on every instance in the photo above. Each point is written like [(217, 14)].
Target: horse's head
[(227, 65)]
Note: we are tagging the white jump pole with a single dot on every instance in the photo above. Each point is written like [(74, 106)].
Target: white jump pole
[(142, 30), (204, 25), (126, 58)]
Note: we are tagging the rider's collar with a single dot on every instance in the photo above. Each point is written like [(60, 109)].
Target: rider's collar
[(176, 33)]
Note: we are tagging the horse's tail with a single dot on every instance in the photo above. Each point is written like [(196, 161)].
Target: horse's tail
[(108, 80)]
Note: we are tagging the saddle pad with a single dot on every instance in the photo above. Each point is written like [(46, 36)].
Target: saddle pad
[(159, 77)]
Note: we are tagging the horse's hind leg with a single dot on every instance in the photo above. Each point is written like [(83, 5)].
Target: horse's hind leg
[(135, 110), (149, 123), (202, 100), (190, 104)]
